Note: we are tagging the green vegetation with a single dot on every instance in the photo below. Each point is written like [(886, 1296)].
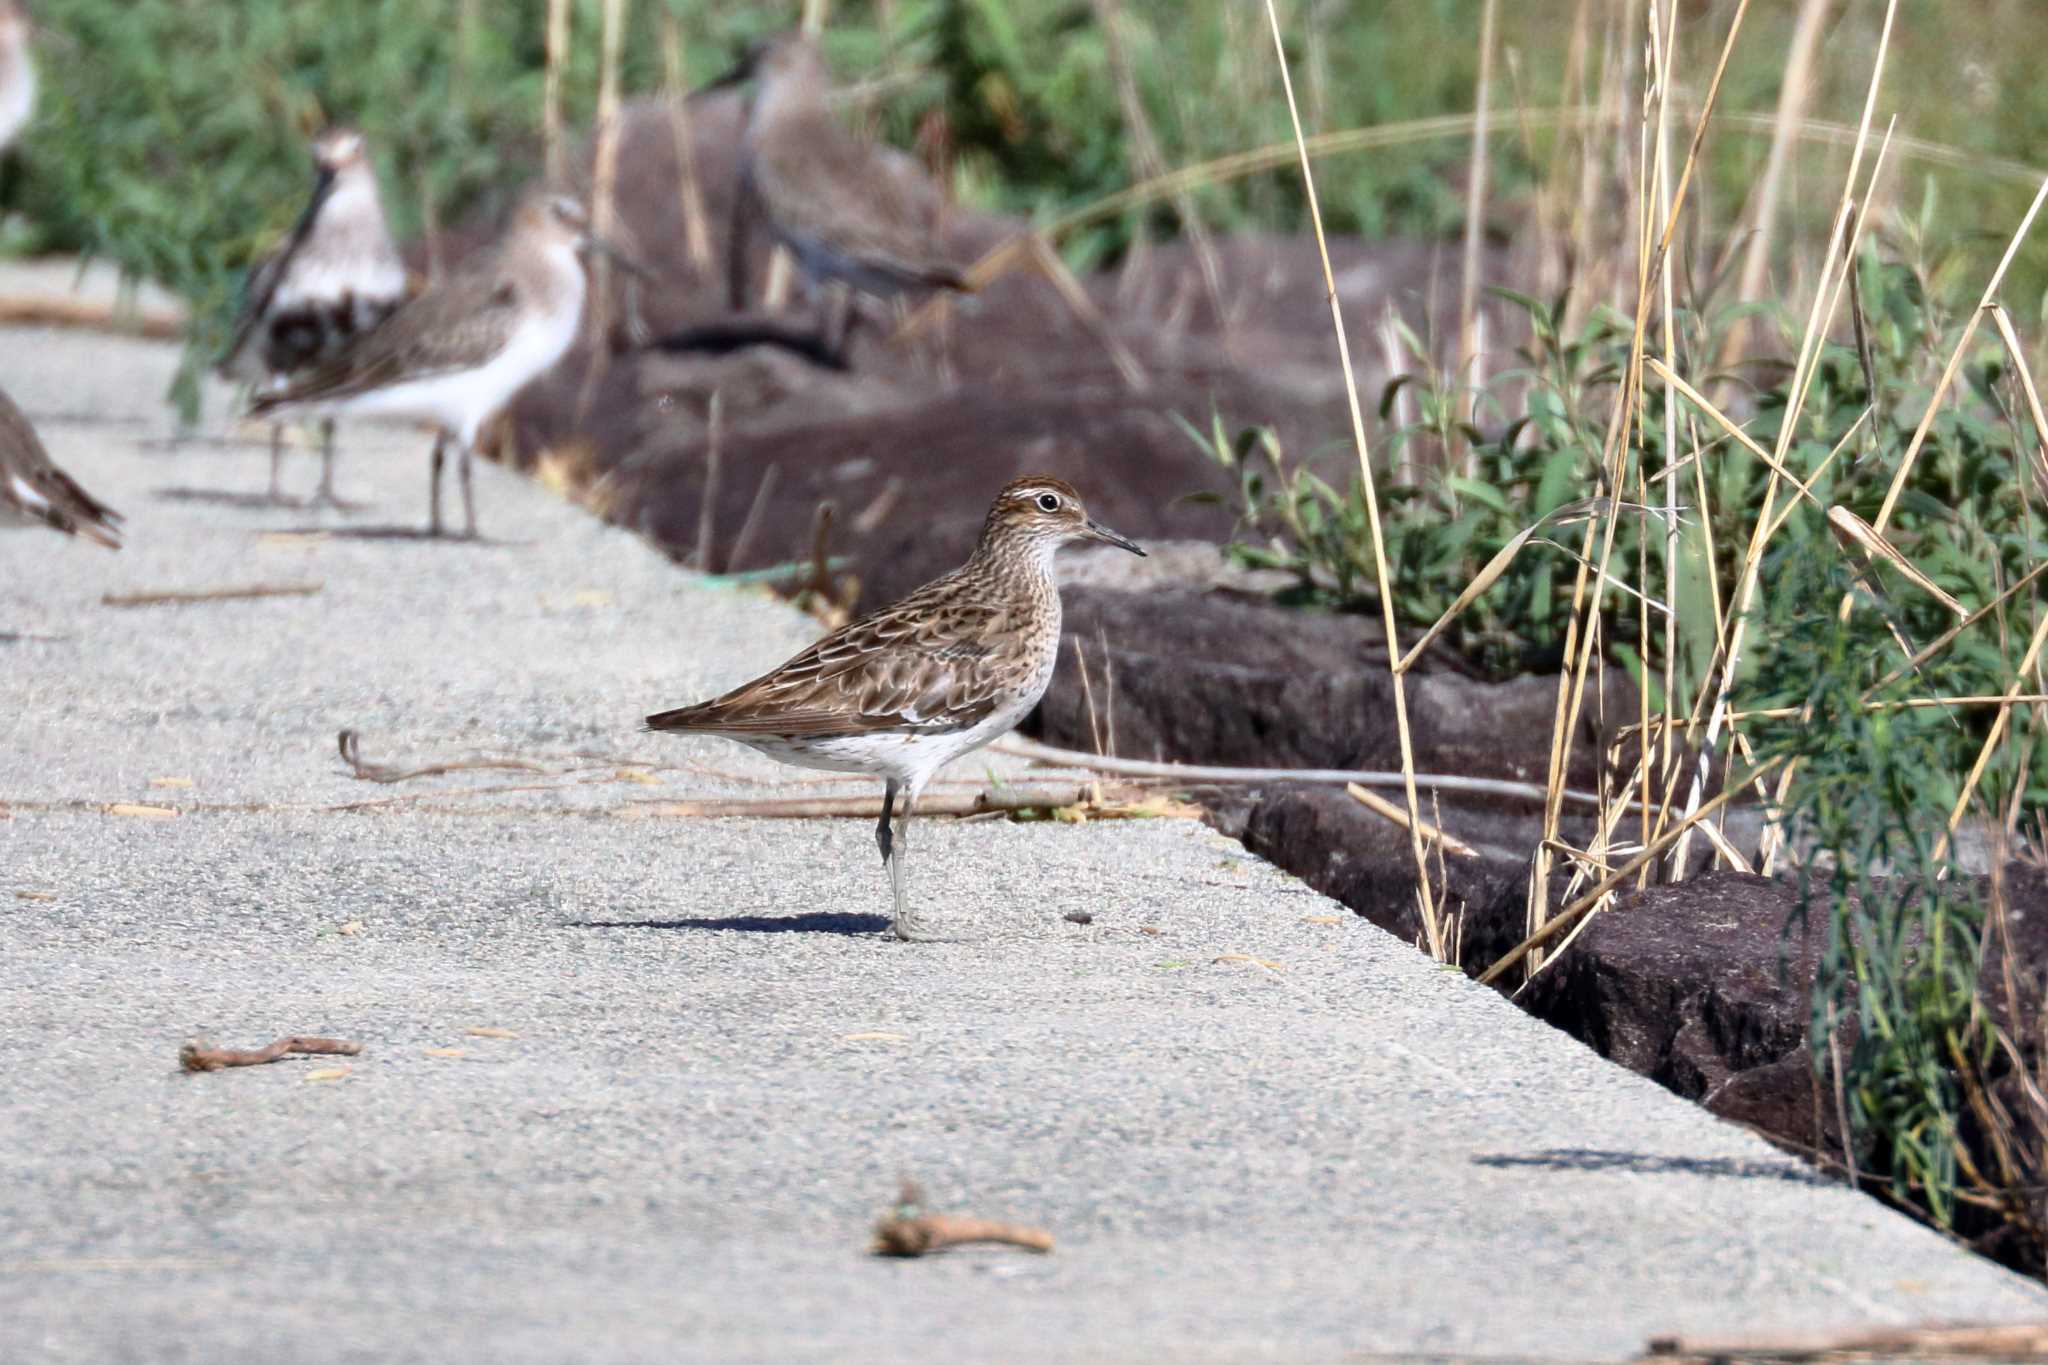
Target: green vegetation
[(169, 137)]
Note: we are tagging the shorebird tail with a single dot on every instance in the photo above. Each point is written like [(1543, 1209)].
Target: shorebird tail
[(54, 498), (682, 718)]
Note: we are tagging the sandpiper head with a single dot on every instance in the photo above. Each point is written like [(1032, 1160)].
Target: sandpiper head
[(1045, 513), (338, 149)]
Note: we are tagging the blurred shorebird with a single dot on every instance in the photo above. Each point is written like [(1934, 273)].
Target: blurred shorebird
[(902, 692), (34, 492), (337, 276), (457, 353), (824, 194), (17, 72)]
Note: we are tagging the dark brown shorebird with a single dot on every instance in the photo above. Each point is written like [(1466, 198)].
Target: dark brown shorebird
[(899, 694), (17, 72), (456, 354), (335, 278), (823, 193), (34, 492)]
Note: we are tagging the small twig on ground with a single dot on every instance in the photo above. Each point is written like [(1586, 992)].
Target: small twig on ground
[(350, 745), (199, 1056), (44, 310), (172, 596), (2002, 1341), (909, 1231), (1038, 796)]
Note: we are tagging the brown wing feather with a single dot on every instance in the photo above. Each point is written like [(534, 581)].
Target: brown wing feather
[(906, 668), (452, 327), (820, 180), (57, 500)]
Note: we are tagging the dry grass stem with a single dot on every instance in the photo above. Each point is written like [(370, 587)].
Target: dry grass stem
[(161, 597), (1380, 806), (690, 195), (555, 156), (1430, 911)]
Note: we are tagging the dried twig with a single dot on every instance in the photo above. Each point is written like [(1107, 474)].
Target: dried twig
[(172, 596), (909, 1231), (350, 745), (2002, 1341), (200, 1056)]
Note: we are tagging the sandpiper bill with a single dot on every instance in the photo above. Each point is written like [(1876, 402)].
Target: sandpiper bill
[(34, 492), (823, 193), (335, 278), (457, 353), (903, 692)]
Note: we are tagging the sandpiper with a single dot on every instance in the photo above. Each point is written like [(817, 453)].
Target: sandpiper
[(34, 492), (843, 216), (457, 353), (337, 276), (17, 72), (902, 692)]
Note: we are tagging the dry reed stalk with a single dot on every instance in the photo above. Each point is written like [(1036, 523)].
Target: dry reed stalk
[(1469, 360), (1426, 896), (1955, 361), (1998, 724), (1583, 629), (1434, 833), (1667, 59), (775, 292), (1842, 245), (1577, 909), (714, 430), (1150, 163), (554, 156), (604, 179), (1793, 94), (690, 195)]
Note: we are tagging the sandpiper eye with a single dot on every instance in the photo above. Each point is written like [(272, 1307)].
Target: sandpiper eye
[(1048, 502)]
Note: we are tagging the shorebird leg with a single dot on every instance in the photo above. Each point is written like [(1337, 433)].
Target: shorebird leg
[(907, 926), (839, 321), (434, 496), (468, 495), (888, 810), (276, 457), (324, 495)]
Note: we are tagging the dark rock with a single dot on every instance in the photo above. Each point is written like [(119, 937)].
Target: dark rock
[(1699, 987)]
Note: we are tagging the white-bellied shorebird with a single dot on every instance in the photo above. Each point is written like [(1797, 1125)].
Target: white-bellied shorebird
[(821, 191), (34, 492), (457, 353), (904, 691), (17, 72), (337, 276)]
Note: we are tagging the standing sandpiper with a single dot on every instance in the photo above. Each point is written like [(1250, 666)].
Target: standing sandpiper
[(17, 73), (34, 492), (335, 278), (846, 218), (458, 353), (901, 693)]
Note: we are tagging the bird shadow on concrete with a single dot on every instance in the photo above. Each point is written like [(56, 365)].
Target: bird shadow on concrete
[(416, 533), (821, 922), (1645, 1163), (224, 497)]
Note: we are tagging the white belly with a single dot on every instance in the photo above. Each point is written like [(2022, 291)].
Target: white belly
[(461, 401), (907, 758)]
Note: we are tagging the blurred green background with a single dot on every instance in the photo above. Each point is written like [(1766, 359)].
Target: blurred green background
[(169, 137)]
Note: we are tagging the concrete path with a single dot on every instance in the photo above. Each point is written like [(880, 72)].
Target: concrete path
[(1258, 1127)]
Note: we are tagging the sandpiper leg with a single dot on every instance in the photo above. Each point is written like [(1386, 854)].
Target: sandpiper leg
[(468, 496), (276, 457), (907, 926), (325, 493), (888, 813), (434, 502)]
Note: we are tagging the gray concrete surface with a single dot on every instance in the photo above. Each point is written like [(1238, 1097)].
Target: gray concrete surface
[(720, 1068)]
